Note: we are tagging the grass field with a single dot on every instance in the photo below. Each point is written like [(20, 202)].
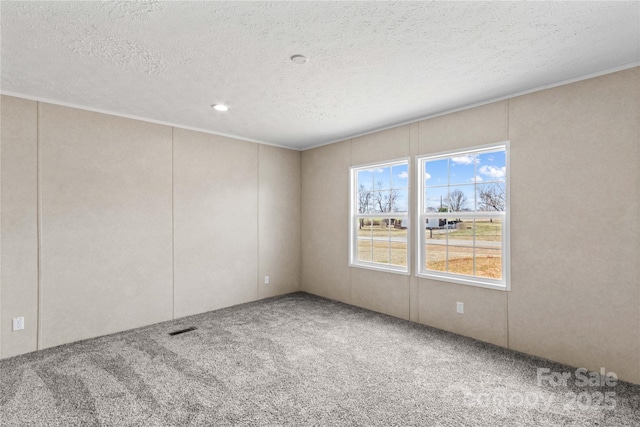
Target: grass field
[(381, 231), (488, 261), (384, 252)]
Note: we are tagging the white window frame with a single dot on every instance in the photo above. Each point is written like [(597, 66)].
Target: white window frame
[(354, 217), (504, 283)]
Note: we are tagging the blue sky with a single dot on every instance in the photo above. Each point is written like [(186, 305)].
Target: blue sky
[(462, 173), (393, 177), (390, 177), (468, 173), (485, 167)]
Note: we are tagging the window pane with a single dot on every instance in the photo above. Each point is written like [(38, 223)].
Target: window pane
[(398, 241), (460, 232), (382, 178), (380, 231), (398, 228), (380, 228), (365, 227), (488, 263), (364, 250), (364, 195), (436, 230), (491, 166), (460, 260), (435, 199), (400, 176), (365, 180), (461, 198), (381, 251), (436, 257), (491, 197), (462, 169), (390, 201), (399, 201), (488, 232), (398, 253), (364, 202), (382, 201), (436, 172)]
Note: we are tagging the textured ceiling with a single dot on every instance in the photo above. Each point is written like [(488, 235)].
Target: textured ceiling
[(371, 64)]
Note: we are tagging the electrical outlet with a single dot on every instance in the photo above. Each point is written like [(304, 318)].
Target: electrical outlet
[(18, 323), (460, 307), (266, 280)]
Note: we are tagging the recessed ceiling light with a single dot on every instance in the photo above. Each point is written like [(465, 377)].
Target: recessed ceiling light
[(299, 59), (220, 107)]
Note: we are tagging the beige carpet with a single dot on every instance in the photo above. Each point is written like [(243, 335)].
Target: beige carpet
[(298, 360)]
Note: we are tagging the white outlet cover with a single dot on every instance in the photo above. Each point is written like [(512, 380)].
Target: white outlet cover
[(266, 280), (18, 323), (460, 307)]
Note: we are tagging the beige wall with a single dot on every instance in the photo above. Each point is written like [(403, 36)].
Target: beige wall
[(216, 222), (325, 226), (575, 288), (105, 213), (278, 220), (19, 237), (139, 223)]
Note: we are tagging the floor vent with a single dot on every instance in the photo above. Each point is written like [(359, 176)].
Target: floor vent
[(182, 331)]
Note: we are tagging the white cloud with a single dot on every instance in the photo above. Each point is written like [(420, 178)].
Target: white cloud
[(493, 171), (478, 178), (426, 176), (403, 175), (464, 160)]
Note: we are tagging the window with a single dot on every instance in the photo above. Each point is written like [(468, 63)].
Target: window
[(463, 214), (379, 221)]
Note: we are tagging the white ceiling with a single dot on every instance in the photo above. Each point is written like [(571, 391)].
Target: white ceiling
[(371, 64)]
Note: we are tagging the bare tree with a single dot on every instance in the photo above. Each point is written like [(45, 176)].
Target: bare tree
[(382, 200), (492, 198), (385, 200), (364, 201), (456, 200)]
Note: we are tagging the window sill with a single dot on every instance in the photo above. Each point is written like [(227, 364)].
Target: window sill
[(382, 267), (493, 284)]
